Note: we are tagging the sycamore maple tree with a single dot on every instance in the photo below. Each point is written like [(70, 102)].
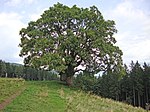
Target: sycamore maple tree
[(64, 38)]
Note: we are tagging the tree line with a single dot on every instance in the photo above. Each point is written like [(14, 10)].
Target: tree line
[(131, 85), (12, 70)]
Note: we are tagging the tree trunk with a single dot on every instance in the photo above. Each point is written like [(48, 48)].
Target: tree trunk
[(139, 101), (126, 96), (6, 75), (69, 80), (69, 74), (133, 96), (63, 77), (146, 95)]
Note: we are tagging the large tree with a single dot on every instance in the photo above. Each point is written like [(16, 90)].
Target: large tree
[(65, 38)]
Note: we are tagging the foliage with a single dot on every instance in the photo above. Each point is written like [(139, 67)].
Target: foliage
[(67, 37), (108, 86), (12, 70), (127, 85), (2, 68), (85, 81)]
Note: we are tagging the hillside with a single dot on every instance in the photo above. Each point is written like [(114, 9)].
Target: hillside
[(9, 86), (52, 96)]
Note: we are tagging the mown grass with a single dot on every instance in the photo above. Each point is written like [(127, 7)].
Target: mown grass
[(51, 96), (9, 86), (39, 96)]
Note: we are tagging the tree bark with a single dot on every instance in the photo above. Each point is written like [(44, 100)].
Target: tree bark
[(63, 77), (69, 75), (133, 96), (139, 101), (69, 80), (146, 95)]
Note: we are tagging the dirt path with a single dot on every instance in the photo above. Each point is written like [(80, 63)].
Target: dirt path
[(10, 99)]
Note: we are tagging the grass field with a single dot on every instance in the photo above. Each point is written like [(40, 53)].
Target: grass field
[(52, 96), (9, 86)]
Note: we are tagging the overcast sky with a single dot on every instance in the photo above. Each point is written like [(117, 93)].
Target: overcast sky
[(132, 19)]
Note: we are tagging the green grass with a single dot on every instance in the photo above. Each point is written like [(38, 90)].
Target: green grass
[(9, 86), (51, 96), (39, 96), (84, 102)]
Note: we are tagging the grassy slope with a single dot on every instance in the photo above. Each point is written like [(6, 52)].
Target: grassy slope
[(39, 97), (9, 86), (54, 97)]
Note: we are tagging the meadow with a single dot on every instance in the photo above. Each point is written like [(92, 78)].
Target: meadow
[(54, 96), (9, 86)]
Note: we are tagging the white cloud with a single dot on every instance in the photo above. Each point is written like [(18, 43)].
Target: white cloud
[(17, 2), (10, 25), (133, 24), (13, 2), (30, 1), (37, 15)]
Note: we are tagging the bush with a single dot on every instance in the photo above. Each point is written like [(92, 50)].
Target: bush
[(85, 81)]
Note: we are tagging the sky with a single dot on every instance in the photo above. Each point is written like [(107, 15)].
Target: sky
[(132, 18)]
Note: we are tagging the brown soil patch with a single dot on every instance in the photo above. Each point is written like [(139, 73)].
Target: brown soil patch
[(10, 99)]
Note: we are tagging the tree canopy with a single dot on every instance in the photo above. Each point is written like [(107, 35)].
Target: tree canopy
[(64, 38)]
